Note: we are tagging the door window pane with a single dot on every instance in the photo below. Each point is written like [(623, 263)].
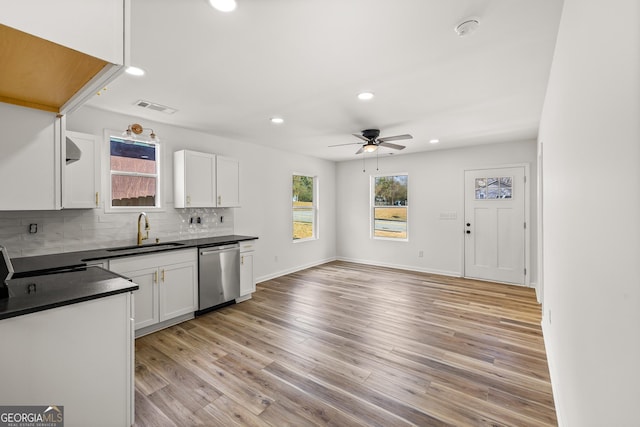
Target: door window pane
[(494, 188)]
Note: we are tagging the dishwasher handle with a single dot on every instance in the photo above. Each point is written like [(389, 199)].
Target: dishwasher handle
[(218, 249)]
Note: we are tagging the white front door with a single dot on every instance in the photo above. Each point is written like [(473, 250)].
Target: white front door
[(494, 225)]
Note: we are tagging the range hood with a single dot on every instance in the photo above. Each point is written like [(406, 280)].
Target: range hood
[(73, 151)]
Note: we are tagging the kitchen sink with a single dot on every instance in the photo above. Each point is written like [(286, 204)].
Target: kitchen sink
[(144, 248)]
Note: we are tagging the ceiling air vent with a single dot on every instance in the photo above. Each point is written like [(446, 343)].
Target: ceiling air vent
[(156, 107)]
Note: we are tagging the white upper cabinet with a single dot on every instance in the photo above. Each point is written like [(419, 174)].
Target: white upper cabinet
[(80, 171), (95, 27), (58, 54), (228, 182), (30, 159), (194, 179), (204, 180)]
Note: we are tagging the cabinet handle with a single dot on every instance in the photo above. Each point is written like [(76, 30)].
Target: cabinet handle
[(97, 199), (155, 277), (163, 274)]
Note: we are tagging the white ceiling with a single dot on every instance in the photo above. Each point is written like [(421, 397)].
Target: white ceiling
[(306, 60)]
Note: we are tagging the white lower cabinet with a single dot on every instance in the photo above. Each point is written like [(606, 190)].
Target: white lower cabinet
[(168, 284), (247, 281), (80, 356)]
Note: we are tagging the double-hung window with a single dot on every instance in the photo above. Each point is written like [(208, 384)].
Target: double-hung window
[(134, 177), (305, 207), (389, 206)]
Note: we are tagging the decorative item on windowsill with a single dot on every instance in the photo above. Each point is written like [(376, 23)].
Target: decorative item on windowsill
[(137, 130)]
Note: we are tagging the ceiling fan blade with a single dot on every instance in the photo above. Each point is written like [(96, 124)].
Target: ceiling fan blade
[(357, 135), (349, 143), (394, 146), (395, 138), (360, 150)]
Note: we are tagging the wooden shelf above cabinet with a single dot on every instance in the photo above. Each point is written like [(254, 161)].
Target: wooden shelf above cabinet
[(40, 74)]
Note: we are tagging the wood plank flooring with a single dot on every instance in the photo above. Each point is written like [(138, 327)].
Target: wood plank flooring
[(346, 344)]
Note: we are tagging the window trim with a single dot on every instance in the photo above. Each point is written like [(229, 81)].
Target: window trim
[(372, 207), (108, 173), (315, 208)]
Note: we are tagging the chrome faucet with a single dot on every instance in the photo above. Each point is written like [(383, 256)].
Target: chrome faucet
[(142, 237)]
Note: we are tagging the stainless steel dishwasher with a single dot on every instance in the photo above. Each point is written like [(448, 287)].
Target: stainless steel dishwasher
[(218, 275)]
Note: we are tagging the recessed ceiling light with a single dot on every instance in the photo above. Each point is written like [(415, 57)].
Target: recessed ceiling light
[(135, 71), (434, 141), (277, 120), (365, 96), (223, 5)]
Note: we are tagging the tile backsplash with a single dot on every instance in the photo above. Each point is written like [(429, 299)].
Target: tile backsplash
[(81, 229)]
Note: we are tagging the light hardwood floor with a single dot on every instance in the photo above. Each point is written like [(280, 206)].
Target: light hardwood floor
[(346, 344)]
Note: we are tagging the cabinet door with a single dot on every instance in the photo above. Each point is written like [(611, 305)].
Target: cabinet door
[(29, 159), (146, 297), (56, 355), (80, 177), (194, 179), (228, 182), (200, 178), (179, 290), (247, 283)]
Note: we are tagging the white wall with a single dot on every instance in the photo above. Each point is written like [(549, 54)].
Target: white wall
[(265, 189), (436, 185), (590, 131)]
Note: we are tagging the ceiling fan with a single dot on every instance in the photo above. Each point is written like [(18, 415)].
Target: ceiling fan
[(372, 142)]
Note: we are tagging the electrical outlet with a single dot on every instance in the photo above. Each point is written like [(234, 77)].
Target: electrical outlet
[(275, 258), (199, 220), (33, 228), (420, 254)]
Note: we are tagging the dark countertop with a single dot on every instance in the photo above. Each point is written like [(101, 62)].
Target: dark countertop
[(65, 278), (28, 266), (38, 293)]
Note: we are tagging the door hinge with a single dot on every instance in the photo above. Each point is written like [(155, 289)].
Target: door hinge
[(525, 179), (525, 271), (525, 225)]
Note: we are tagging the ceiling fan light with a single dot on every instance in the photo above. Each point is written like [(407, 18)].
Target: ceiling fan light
[(365, 96), (369, 148), (277, 120), (223, 5), (434, 141)]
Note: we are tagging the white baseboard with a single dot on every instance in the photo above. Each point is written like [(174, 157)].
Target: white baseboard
[(402, 267), (292, 270), (555, 385)]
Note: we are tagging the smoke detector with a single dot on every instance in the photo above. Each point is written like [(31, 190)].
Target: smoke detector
[(467, 26)]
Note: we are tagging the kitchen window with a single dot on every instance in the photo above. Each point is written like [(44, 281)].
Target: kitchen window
[(304, 207), (389, 206), (134, 179)]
